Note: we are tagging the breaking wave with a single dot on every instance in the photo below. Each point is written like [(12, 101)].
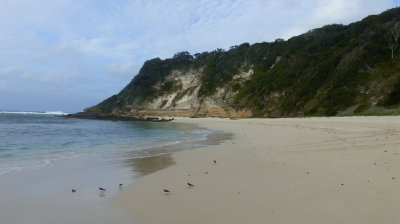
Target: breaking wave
[(34, 112)]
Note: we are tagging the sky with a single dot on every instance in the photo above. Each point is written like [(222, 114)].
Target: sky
[(66, 55)]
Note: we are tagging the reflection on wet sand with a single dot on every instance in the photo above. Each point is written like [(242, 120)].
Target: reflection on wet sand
[(147, 165), (102, 194), (159, 158)]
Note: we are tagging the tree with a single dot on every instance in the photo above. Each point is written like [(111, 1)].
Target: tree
[(392, 37), (183, 55)]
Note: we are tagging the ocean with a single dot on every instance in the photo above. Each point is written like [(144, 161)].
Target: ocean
[(33, 140), (44, 156)]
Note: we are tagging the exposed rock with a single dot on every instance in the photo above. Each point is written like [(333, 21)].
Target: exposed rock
[(184, 102), (115, 117)]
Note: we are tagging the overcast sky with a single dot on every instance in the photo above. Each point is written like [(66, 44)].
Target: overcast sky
[(70, 54)]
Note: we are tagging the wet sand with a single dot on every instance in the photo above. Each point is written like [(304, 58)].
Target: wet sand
[(45, 195), (311, 170)]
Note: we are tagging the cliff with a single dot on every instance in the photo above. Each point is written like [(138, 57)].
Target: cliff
[(333, 70)]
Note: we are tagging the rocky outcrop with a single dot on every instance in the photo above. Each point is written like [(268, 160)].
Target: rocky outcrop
[(115, 117), (184, 101), (199, 112)]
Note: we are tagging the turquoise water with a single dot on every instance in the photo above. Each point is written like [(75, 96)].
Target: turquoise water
[(35, 140)]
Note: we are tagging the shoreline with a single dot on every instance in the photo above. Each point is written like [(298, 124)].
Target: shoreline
[(304, 170), (160, 158), (44, 194)]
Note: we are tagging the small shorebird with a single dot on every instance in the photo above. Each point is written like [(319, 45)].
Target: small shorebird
[(101, 189), (190, 185), (166, 191), (215, 162), (120, 186), (73, 190)]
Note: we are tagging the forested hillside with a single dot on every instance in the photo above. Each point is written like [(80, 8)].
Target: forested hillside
[(333, 70)]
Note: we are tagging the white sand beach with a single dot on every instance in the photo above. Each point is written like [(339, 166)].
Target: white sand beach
[(308, 170)]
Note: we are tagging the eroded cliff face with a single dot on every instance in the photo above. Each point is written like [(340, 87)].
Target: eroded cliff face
[(183, 100)]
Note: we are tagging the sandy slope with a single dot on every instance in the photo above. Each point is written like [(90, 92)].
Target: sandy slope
[(312, 170)]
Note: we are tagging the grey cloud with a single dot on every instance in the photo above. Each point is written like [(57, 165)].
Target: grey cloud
[(82, 51), (122, 68)]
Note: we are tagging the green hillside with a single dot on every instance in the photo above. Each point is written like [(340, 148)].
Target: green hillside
[(333, 70)]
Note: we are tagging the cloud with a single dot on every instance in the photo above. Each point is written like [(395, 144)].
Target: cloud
[(123, 68), (326, 12), (82, 51)]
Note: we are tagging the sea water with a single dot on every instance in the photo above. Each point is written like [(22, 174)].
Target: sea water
[(44, 156), (33, 140)]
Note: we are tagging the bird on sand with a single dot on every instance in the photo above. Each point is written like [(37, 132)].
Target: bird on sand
[(166, 191), (190, 185), (73, 190), (215, 162), (101, 189)]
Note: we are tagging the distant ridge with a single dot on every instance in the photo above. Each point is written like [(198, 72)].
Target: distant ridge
[(334, 70)]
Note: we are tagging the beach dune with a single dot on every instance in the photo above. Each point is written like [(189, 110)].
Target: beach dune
[(308, 170)]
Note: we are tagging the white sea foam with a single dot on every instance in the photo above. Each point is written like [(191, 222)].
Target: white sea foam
[(33, 163), (58, 142), (35, 113)]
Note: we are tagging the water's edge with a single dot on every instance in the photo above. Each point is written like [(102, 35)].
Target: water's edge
[(35, 192), (154, 163), (161, 157)]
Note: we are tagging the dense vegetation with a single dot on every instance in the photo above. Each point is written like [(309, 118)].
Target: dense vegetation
[(322, 72)]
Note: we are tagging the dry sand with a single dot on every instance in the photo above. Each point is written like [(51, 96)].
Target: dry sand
[(310, 170)]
